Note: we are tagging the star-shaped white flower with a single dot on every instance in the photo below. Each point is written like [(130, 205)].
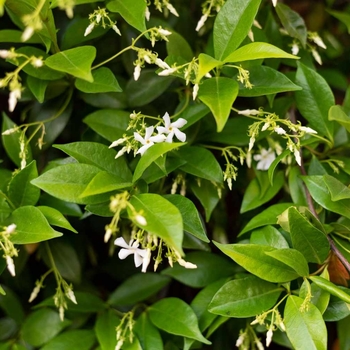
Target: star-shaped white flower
[(131, 248), (148, 140), (172, 129), (264, 159)]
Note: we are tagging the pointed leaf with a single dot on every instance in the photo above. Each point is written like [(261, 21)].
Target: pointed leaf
[(337, 114), (105, 326), (232, 25), (270, 236), (336, 188), (56, 218), (342, 16), (174, 316), (148, 335), (81, 339), (76, 62), (218, 94), (205, 64)]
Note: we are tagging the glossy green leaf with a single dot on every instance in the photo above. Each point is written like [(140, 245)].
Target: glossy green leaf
[(270, 236), (20, 191), (138, 287), (152, 154), (232, 25), (174, 316), (218, 94), (194, 113), (320, 193), (76, 62), (245, 297), (205, 64), (41, 326), (296, 186), (292, 22), (266, 217), (66, 208), (105, 326), (200, 162), (336, 188), (306, 238), (254, 258), (305, 328), (273, 165), (177, 45), (210, 268), (255, 195), (163, 218), (81, 339), (15, 36), (31, 226), (148, 335), (11, 142), (11, 304), (56, 218), (190, 216), (314, 100), (37, 87), (103, 81), (337, 114), (256, 51), (342, 16), (336, 310), (133, 12)]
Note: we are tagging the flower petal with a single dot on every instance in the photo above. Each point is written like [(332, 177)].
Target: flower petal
[(166, 119), (157, 138), (180, 135), (123, 253), (162, 130), (138, 259), (144, 148), (120, 241), (139, 138), (149, 132), (179, 123), (169, 138)]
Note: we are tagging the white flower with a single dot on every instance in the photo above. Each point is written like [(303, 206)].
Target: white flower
[(147, 14), (167, 72), (297, 156), (5, 53), (265, 126), (307, 130), (269, 336), (172, 10), (117, 142), (201, 22), (116, 29), (146, 260), (317, 56), (186, 264), (121, 152), (295, 49), (89, 29), (131, 248), (61, 312), (34, 293), (148, 140), (13, 97), (10, 229), (274, 3), (98, 18), (240, 340), (28, 32), (70, 295), (137, 72), (318, 41), (164, 32), (37, 62), (195, 91), (161, 64), (265, 158), (248, 112), (107, 235), (10, 265), (172, 129), (141, 220), (279, 130), (251, 143)]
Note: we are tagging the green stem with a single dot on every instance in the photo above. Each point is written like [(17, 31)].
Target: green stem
[(113, 57), (8, 200)]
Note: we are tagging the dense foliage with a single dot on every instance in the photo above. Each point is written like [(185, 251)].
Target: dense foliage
[(174, 175)]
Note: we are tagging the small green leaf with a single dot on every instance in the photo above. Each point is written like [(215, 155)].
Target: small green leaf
[(245, 297), (305, 328), (232, 25), (31, 226), (254, 258), (342, 16), (37, 87), (138, 287), (218, 94), (105, 326), (163, 218), (336, 188), (337, 114), (147, 333), (81, 339), (133, 12), (177, 45), (103, 81), (270, 236), (174, 316), (205, 64), (56, 218), (76, 62)]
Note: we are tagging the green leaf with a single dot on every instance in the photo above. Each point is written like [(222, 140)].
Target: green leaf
[(174, 316), (336, 188), (320, 193), (270, 236), (305, 329), (31, 226), (245, 297), (255, 195), (11, 142), (105, 326), (274, 164), (266, 217), (81, 339), (292, 22), (20, 191), (205, 64), (342, 16), (257, 51), (138, 287), (109, 123), (210, 268), (148, 334), (133, 12), (151, 155), (306, 238), (177, 45), (232, 25), (163, 218), (76, 62), (296, 186), (254, 258), (68, 182), (190, 216), (41, 326), (331, 288), (15, 36), (218, 94), (314, 100), (37, 87), (11, 305), (200, 162), (103, 81), (56, 218), (193, 113), (337, 114)]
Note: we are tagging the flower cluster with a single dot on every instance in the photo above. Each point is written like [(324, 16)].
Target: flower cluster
[(8, 248), (100, 17), (166, 6)]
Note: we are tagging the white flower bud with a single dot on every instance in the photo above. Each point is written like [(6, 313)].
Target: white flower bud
[(9, 131), (147, 14), (121, 152), (161, 64), (34, 293), (274, 3), (295, 49), (251, 143), (147, 59), (195, 91), (117, 142), (297, 157), (61, 312), (172, 10), (4, 54), (201, 22), (13, 97), (186, 264), (269, 336), (307, 130), (265, 126), (317, 57), (10, 265), (164, 32), (70, 295), (10, 228), (37, 62), (137, 72), (27, 34), (240, 340), (89, 29), (98, 18), (116, 29), (141, 220), (248, 112), (167, 72), (280, 131)]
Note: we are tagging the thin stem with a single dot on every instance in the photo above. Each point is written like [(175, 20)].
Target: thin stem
[(113, 57), (8, 200)]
